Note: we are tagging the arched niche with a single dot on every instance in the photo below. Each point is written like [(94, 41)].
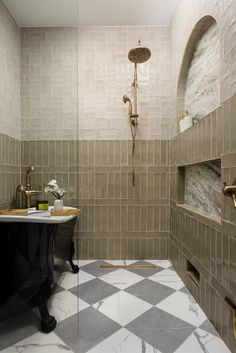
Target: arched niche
[(198, 88)]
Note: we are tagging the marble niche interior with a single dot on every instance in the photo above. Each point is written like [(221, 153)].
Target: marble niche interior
[(202, 187), (202, 92)]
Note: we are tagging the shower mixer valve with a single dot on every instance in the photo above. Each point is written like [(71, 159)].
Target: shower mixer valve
[(230, 191)]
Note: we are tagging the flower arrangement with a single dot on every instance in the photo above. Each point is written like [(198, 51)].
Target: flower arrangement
[(53, 188), (185, 121), (184, 114)]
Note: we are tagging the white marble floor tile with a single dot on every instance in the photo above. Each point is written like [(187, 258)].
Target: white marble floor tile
[(184, 307), (68, 280), (84, 277), (82, 305), (160, 263), (122, 307), (202, 342), (123, 341), (62, 305), (39, 343), (168, 278), (121, 278)]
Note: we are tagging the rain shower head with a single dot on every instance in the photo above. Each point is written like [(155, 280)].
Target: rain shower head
[(139, 55)]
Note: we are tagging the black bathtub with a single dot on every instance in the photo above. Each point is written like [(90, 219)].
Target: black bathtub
[(32, 255)]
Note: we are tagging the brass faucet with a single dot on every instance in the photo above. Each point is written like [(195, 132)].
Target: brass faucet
[(27, 189), (230, 191)]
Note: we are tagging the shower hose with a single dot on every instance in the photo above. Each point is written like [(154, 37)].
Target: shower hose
[(133, 127)]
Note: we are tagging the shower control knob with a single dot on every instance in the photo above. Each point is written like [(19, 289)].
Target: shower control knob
[(230, 191)]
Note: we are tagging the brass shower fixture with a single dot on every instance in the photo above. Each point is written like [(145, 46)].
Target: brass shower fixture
[(137, 56), (230, 190), (127, 99)]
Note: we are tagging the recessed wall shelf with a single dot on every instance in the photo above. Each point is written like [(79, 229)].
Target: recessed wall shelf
[(193, 273), (200, 187)]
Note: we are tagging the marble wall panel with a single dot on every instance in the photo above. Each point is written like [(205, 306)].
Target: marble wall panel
[(202, 91)]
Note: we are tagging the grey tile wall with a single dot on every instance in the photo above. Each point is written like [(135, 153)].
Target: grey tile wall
[(207, 242), (118, 220), (10, 164), (52, 160)]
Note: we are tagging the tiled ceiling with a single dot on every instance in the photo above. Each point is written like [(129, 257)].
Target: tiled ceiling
[(62, 13)]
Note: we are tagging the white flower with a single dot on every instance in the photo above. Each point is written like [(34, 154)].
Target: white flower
[(54, 189), (53, 182)]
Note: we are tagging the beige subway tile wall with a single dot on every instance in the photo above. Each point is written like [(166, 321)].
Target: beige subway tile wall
[(106, 74), (10, 75), (10, 108), (54, 59), (49, 77)]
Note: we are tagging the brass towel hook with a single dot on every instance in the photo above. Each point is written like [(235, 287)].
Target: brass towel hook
[(230, 191)]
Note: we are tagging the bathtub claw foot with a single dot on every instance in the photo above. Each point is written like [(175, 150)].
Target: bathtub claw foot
[(48, 322), (74, 268)]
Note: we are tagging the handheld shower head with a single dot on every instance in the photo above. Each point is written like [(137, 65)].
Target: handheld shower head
[(125, 100)]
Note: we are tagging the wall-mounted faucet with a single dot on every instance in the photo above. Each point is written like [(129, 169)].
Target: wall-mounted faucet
[(230, 191), (27, 189)]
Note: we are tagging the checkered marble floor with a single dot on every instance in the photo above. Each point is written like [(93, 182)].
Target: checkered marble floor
[(117, 311)]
